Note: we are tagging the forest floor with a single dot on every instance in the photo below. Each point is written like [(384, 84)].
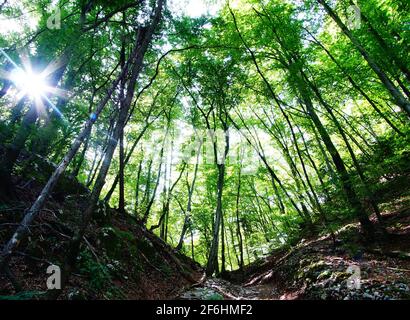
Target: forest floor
[(120, 259)]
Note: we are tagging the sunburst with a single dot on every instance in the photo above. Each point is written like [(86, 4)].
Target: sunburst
[(34, 85)]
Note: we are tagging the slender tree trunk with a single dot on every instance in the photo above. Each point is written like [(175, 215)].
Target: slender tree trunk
[(192, 243), (345, 179), (314, 166), (223, 259), (213, 254), (121, 198), (398, 97), (191, 188), (357, 87), (166, 207), (351, 152), (81, 159), (390, 52), (152, 199), (137, 188), (278, 198), (228, 252), (238, 223), (325, 156), (147, 191), (233, 245)]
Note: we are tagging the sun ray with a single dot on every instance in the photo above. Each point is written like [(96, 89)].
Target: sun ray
[(33, 83), (62, 93), (9, 58), (39, 105), (25, 61), (52, 67)]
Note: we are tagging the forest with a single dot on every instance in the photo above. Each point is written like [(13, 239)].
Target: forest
[(204, 149)]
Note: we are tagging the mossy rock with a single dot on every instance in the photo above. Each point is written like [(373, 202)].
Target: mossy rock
[(311, 270), (339, 276)]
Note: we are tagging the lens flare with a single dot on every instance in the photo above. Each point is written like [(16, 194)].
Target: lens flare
[(33, 84), (29, 83)]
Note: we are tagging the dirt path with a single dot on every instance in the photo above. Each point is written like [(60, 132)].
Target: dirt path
[(218, 289)]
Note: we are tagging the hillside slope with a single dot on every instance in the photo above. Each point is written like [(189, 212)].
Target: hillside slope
[(119, 258)]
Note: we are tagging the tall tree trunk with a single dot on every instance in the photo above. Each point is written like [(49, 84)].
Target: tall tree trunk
[(351, 152), (152, 199), (211, 266), (167, 202), (137, 188), (121, 198), (154, 192), (81, 159), (223, 258), (345, 179)]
